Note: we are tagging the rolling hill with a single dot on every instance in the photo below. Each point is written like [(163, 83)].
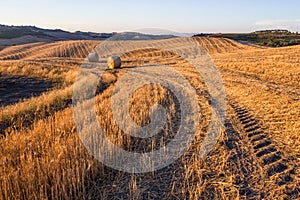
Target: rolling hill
[(16, 35), (81, 48), (256, 156)]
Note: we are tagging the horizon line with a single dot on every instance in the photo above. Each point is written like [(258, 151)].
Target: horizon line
[(124, 31)]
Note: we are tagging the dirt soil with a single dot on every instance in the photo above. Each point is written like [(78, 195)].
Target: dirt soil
[(14, 88)]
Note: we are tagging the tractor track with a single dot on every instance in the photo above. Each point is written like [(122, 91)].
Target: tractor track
[(261, 162)]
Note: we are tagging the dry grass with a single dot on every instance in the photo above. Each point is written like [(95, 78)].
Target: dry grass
[(45, 159), (65, 49), (267, 82)]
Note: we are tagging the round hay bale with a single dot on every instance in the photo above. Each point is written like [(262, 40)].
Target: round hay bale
[(93, 57), (114, 62)]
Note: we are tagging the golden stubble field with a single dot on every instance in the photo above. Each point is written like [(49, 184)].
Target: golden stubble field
[(256, 157)]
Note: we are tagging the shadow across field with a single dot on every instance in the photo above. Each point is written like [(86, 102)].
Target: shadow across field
[(14, 88)]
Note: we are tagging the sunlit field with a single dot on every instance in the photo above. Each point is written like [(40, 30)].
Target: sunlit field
[(256, 157)]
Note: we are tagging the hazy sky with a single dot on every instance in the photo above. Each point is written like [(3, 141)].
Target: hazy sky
[(182, 16)]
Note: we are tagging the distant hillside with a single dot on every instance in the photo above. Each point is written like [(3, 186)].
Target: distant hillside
[(60, 49), (271, 38), (79, 49), (11, 32), (16, 35), (140, 36)]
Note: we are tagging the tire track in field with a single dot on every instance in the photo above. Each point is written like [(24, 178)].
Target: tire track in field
[(276, 168)]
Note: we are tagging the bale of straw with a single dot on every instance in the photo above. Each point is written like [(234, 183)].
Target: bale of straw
[(114, 62), (93, 57)]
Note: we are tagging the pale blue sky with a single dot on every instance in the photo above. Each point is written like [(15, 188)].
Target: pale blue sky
[(126, 15)]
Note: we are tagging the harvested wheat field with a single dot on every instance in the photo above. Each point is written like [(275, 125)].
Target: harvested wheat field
[(257, 155)]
